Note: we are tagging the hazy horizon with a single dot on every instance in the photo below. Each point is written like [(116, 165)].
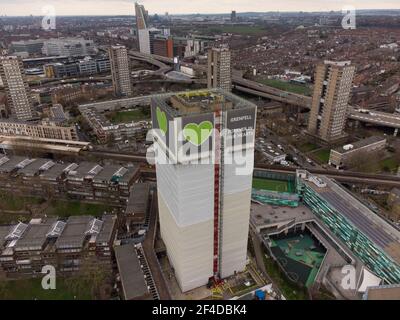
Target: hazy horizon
[(126, 7)]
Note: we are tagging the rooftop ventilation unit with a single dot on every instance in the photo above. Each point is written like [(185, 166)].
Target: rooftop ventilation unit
[(95, 170), (56, 229), (94, 227), (47, 166), (17, 231), (71, 167), (24, 163), (348, 147), (121, 171)]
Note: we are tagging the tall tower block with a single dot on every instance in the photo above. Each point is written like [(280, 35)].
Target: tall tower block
[(333, 81), (204, 181), (18, 95)]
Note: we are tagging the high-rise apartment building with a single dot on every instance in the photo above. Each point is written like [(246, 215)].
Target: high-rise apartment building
[(205, 181), (141, 16), (120, 73), (142, 27), (18, 95), (333, 83), (233, 16), (219, 68)]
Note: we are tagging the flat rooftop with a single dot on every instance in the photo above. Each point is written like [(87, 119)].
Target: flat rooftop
[(34, 167), (55, 171), (387, 292), (85, 169), (138, 199), (74, 235), (266, 214), (132, 277), (109, 172), (107, 229), (11, 164), (372, 226), (132, 171), (359, 144), (199, 102), (4, 231), (35, 235)]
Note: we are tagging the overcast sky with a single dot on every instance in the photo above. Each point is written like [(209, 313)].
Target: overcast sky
[(115, 7)]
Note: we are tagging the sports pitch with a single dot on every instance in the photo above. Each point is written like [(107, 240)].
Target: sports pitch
[(272, 185)]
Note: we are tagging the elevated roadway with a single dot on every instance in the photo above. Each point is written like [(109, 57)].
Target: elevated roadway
[(377, 118), (391, 120)]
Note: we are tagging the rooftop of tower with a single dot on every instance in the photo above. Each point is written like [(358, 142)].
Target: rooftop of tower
[(200, 102)]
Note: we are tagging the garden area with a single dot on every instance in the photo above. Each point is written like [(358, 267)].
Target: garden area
[(31, 289), (16, 208), (287, 86), (128, 116)]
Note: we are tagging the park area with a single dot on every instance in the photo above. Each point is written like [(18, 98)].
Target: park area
[(128, 116), (31, 289), (287, 86), (15, 208), (321, 155)]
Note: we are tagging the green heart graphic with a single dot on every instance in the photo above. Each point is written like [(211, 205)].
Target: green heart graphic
[(198, 133), (162, 121)]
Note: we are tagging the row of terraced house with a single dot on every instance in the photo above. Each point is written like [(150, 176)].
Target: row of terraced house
[(85, 181), (69, 246)]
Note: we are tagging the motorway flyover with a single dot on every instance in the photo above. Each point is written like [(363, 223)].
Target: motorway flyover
[(377, 118), (391, 120)]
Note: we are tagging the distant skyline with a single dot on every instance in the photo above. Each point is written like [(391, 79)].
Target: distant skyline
[(126, 7)]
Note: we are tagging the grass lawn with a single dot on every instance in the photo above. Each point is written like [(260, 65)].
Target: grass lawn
[(307, 147), (389, 165), (272, 185), (242, 30), (31, 289), (287, 86), (12, 203), (289, 290), (322, 155), (75, 208), (127, 116)]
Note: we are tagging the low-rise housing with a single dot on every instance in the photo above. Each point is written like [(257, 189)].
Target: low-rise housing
[(343, 156)]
